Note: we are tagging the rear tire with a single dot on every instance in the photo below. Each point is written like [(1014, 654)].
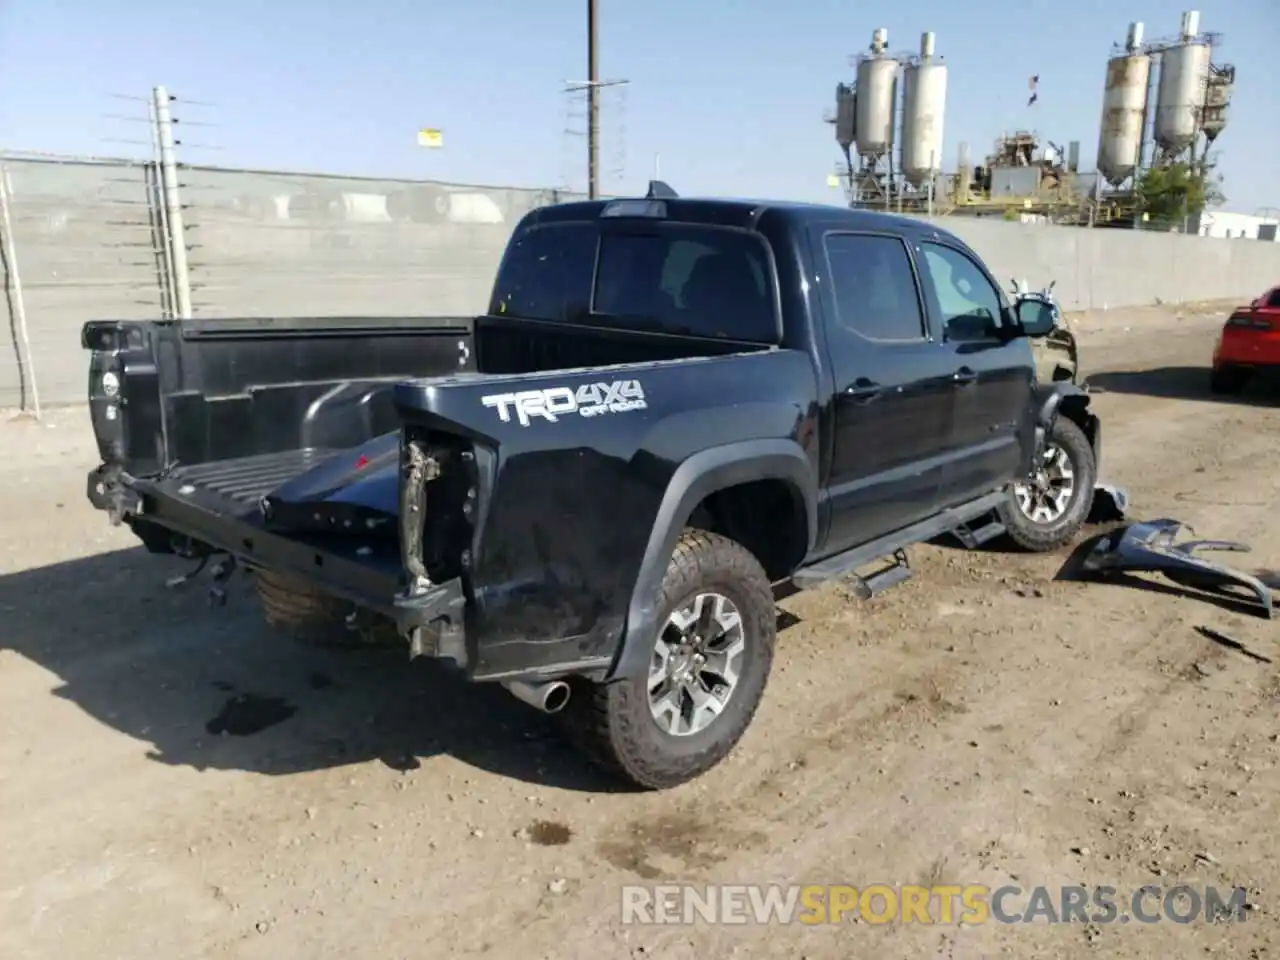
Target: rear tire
[(1049, 533), (316, 619), (625, 729), (1228, 380)]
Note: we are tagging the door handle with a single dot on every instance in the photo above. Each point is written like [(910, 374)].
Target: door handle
[(964, 376), (863, 390)]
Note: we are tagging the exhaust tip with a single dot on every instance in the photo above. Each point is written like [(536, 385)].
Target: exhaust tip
[(549, 697), (556, 697)]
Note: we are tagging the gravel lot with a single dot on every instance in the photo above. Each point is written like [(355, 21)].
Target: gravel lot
[(983, 723)]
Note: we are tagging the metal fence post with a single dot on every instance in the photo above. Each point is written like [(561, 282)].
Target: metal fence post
[(172, 205), (156, 200), (9, 252)]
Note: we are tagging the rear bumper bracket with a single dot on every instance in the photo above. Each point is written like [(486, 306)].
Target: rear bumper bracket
[(432, 618)]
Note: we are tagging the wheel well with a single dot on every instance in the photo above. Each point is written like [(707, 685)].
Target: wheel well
[(1076, 409), (765, 516)]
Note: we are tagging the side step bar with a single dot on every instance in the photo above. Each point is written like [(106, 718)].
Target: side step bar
[(954, 521), (971, 539)]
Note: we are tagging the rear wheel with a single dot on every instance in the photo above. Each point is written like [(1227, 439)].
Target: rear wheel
[(1045, 511), (708, 667), (313, 617), (1228, 379)]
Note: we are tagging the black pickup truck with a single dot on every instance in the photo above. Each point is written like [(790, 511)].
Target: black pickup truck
[(589, 493)]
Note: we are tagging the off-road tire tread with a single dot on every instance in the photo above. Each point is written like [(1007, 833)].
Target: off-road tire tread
[(1035, 538), (605, 734), (311, 616)]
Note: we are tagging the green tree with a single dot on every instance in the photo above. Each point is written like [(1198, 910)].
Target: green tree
[(1170, 194)]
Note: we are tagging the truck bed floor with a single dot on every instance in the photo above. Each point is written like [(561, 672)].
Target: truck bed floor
[(247, 480)]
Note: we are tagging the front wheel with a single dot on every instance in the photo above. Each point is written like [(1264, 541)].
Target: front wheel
[(708, 668), (1046, 510)]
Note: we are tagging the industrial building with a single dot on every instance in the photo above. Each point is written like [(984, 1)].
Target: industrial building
[(1234, 226), (1163, 102)]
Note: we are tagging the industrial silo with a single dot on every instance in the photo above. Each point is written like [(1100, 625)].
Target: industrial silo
[(846, 115), (1124, 101), (923, 108), (1184, 78), (877, 76)]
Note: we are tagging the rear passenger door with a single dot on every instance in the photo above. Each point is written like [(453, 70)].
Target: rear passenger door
[(994, 375), (893, 391)]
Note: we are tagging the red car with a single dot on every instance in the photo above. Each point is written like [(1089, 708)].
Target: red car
[(1249, 343)]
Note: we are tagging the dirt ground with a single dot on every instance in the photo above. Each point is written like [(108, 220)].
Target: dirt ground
[(983, 723)]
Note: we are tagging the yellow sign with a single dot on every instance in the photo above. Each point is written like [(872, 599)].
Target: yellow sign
[(428, 137)]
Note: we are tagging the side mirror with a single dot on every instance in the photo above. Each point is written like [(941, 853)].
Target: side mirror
[(1036, 317)]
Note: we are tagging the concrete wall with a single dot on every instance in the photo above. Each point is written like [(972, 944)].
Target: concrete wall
[(1104, 268), (86, 237), (264, 244)]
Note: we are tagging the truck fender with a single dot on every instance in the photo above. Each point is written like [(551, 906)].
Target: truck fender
[(697, 477), (1068, 399)]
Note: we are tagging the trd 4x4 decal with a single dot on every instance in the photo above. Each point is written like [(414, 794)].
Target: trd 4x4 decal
[(552, 403)]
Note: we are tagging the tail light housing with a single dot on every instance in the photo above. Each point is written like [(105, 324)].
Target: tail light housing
[(106, 389), (123, 395)]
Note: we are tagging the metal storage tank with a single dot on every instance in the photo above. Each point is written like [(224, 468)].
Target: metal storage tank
[(1184, 78), (923, 109), (1124, 101), (846, 115), (877, 76)]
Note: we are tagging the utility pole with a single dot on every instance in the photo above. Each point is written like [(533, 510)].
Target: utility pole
[(593, 103), (172, 204)]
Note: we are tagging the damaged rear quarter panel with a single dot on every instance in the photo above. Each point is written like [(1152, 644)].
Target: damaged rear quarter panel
[(564, 526)]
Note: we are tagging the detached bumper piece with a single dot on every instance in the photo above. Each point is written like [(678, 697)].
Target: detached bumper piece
[(1110, 503), (1149, 546)]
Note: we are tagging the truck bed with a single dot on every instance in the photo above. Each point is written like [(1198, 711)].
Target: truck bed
[(278, 441)]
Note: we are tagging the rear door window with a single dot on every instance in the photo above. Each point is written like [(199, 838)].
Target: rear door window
[(874, 286)]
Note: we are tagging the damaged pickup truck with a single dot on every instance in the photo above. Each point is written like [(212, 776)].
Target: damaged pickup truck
[(588, 493)]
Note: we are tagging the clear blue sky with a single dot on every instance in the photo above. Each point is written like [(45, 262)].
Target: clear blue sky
[(731, 94)]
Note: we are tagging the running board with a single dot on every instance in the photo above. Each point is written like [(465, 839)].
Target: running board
[(949, 521), (971, 539), (898, 571)]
